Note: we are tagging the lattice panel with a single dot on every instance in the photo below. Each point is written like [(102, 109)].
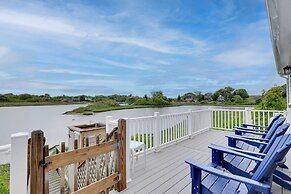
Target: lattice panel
[(81, 178), (96, 168)]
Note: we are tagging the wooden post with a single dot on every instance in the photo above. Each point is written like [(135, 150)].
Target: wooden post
[(76, 168), (46, 176), (37, 172), (62, 174), (28, 160), (87, 163), (122, 155)]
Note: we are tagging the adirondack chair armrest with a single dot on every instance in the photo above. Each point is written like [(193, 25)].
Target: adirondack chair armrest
[(233, 152), (239, 131), (247, 137), (247, 140), (255, 130), (256, 154), (251, 125), (260, 187)]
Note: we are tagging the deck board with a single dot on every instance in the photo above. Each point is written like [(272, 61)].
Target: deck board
[(166, 171)]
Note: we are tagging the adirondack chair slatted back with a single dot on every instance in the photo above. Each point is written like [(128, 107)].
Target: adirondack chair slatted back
[(274, 127), (275, 118), (276, 153), (280, 131)]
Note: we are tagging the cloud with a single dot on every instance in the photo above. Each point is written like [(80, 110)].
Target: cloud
[(104, 31), (5, 76), (128, 66), (7, 57), (73, 72), (37, 22), (250, 47), (115, 47), (245, 57)]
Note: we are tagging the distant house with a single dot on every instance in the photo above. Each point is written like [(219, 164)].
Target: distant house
[(89, 99), (207, 96), (123, 103), (220, 98), (188, 99), (76, 99)]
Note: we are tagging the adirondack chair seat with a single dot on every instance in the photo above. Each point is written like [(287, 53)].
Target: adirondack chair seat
[(245, 167), (215, 184), (215, 180), (211, 179)]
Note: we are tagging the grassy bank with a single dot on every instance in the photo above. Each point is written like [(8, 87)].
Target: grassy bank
[(105, 106), (4, 178), (94, 108)]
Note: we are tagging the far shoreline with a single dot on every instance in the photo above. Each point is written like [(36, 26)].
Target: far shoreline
[(87, 110), (21, 104)]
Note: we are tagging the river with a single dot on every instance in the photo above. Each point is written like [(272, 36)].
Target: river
[(51, 120)]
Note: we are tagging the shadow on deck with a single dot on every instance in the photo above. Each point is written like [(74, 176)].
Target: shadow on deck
[(166, 171)]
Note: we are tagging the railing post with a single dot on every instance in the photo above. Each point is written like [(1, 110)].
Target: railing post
[(126, 126), (157, 132), (18, 164), (190, 131), (211, 118), (123, 155), (248, 115), (36, 171), (108, 128)]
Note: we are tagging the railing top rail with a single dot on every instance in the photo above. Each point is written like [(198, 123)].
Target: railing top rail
[(204, 110), (5, 148), (268, 110), (170, 114), (145, 117), (225, 109), (174, 114)]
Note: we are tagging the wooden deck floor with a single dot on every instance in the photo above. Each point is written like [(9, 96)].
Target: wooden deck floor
[(166, 171)]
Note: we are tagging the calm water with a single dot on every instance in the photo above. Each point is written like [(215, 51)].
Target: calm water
[(54, 124)]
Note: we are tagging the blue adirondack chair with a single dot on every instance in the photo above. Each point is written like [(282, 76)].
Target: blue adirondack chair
[(235, 162), (213, 179), (259, 141)]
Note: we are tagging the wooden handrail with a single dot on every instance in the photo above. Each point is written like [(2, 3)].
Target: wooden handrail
[(66, 158)]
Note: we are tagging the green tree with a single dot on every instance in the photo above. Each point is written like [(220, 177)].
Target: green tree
[(273, 99), (238, 99), (179, 99), (158, 98), (25, 97), (242, 93), (226, 92), (3, 98)]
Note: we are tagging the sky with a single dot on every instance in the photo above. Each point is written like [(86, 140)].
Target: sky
[(104, 47)]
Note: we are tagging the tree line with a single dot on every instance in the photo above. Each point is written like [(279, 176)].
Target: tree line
[(274, 98)]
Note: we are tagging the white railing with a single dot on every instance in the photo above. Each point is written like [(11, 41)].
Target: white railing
[(160, 130), (5, 149), (263, 117), (227, 119)]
